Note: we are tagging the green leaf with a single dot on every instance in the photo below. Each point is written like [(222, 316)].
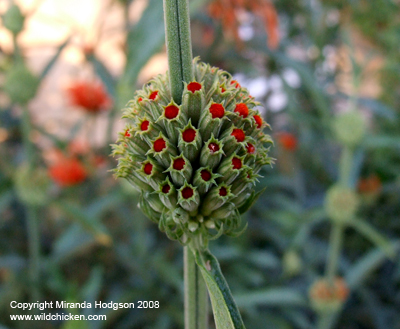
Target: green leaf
[(272, 297), (51, 63), (250, 201), (144, 40), (226, 313), (365, 266), (374, 236)]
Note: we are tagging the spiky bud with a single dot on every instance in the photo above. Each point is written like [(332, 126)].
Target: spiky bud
[(196, 163)]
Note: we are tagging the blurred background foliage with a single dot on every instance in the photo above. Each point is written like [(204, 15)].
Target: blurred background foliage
[(69, 231)]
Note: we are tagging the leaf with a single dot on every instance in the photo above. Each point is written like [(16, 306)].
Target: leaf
[(250, 201), (144, 40), (382, 141), (226, 313), (51, 63), (374, 236), (365, 266), (272, 297)]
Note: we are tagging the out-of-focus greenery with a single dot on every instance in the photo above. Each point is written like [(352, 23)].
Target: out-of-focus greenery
[(90, 242)]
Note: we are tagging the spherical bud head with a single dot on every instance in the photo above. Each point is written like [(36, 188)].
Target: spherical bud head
[(32, 185), (13, 19), (20, 84), (350, 128), (328, 297), (187, 158), (341, 204)]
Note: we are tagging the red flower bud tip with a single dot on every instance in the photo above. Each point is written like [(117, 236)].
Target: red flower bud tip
[(235, 83), (288, 141), (194, 86), (171, 111), (236, 163), (259, 121), (153, 95), (250, 148), (140, 99), (187, 192), (159, 145), (127, 134), (189, 135), (179, 164), (68, 172), (242, 110), (223, 191), (148, 168), (144, 125), (239, 135), (166, 188), (213, 147), (223, 89), (217, 111), (205, 175)]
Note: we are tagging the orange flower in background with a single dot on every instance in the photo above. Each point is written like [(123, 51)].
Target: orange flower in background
[(228, 12), (67, 171), (370, 185), (90, 96), (287, 140), (324, 292)]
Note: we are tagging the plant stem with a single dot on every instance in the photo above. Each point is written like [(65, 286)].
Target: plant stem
[(31, 211), (335, 247), (196, 299), (179, 50), (34, 251), (179, 46)]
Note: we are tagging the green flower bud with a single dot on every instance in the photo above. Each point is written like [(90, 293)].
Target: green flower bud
[(211, 153), (32, 185), (230, 168), (224, 212), (193, 101), (20, 85), (341, 204), (162, 149), (194, 163), (292, 263), (154, 202), (188, 197), (214, 199), (13, 20), (167, 194), (180, 215), (180, 170), (204, 178), (211, 120), (350, 128), (189, 142)]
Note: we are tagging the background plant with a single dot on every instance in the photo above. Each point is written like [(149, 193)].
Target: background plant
[(333, 56)]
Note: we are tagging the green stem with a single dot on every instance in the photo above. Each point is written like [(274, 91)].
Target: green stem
[(335, 246), (34, 251), (345, 166), (196, 300), (179, 46)]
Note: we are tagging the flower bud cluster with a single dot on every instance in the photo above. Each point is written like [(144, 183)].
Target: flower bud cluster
[(196, 163), (328, 297)]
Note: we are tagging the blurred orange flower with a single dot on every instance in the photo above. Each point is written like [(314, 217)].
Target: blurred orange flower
[(90, 96), (370, 185), (228, 12), (322, 291), (67, 172), (287, 140)]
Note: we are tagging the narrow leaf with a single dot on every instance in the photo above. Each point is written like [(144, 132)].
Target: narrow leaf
[(226, 313), (250, 201)]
